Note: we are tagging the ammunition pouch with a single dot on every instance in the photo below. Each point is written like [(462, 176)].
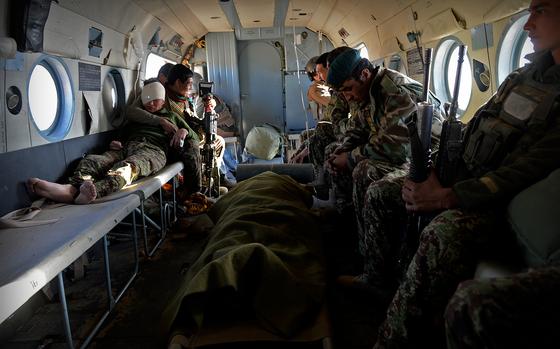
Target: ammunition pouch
[(519, 105), (489, 143)]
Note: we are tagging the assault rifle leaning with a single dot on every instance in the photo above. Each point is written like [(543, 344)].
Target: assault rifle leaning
[(419, 129), (210, 175)]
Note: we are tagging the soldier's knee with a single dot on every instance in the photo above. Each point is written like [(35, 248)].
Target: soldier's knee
[(360, 170), (467, 313), (383, 192)]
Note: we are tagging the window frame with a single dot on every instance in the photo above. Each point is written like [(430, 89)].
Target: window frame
[(448, 44), (362, 45), (506, 63), (66, 104), (167, 60)]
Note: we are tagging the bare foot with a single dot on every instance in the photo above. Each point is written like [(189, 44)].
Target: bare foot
[(57, 192), (88, 193)]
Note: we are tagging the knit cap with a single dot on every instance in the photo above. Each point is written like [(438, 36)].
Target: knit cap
[(341, 68)]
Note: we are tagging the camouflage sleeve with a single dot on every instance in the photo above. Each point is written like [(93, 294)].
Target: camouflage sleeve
[(336, 110), (356, 135), (136, 112), (180, 122), (532, 162), (388, 139)]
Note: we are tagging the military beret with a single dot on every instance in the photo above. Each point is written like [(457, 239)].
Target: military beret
[(341, 68)]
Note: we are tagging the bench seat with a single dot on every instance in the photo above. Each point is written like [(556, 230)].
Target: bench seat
[(31, 257)]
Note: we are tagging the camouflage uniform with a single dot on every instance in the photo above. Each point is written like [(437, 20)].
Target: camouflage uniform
[(490, 175), (323, 136), (114, 169), (379, 135), (143, 153), (380, 210), (519, 311)]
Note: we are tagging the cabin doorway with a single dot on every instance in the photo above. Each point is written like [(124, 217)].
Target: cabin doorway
[(260, 82)]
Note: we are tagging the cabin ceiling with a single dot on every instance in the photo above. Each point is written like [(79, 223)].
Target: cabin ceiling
[(379, 23)]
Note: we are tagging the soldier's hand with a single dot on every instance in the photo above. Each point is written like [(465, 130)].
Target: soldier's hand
[(338, 163), (298, 158), (115, 145), (179, 138), (338, 151), (427, 196), (168, 127)]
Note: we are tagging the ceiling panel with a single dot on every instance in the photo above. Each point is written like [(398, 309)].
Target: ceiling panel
[(206, 12), (300, 12), (161, 11), (255, 13), (341, 9), (321, 14)]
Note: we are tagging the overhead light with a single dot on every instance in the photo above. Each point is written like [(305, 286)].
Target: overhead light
[(303, 14), (215, 17), (256, 21)]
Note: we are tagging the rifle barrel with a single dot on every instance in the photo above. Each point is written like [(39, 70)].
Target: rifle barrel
[(427, 63), (455, 100)]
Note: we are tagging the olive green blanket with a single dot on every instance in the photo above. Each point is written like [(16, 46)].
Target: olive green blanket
[(264, 254)]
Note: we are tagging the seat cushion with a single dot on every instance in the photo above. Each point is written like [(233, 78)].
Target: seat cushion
[(534, 215)]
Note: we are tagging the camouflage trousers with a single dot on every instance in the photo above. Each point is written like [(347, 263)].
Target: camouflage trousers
[(519, 311), (114, 169), (190, 156), (322, 137), (380, 214), (316, 140), (449, 249)]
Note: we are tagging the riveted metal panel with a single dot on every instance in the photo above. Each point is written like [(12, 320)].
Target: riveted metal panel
[(221, 59)]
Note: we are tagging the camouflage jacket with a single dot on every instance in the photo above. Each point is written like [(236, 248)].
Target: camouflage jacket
[(531, 150), (339, 112), (155, 133), (378, 131)]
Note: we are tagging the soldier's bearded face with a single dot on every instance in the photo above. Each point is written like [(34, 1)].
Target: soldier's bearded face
[(542, 25)]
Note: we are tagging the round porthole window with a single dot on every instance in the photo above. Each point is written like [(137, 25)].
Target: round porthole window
[(50, 98), (113, 95), (445, 70), (514, 46)]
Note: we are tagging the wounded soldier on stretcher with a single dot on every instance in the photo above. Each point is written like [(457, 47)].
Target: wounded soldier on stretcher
[(143, 153), (263, 261)]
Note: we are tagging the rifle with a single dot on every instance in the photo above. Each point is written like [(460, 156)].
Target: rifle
[(420, 130), (420, 134), (208, 149), (451, 133)]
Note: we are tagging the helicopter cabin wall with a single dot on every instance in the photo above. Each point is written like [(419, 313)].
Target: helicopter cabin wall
[(95, 78), (435, 22)]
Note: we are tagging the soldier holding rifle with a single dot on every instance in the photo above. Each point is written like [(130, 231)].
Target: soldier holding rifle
[(505, 150)]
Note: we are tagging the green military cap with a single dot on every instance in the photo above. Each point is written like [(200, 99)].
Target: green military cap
[(341, 68)]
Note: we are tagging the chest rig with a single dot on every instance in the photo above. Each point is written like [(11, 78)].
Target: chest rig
[(514, 118)]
